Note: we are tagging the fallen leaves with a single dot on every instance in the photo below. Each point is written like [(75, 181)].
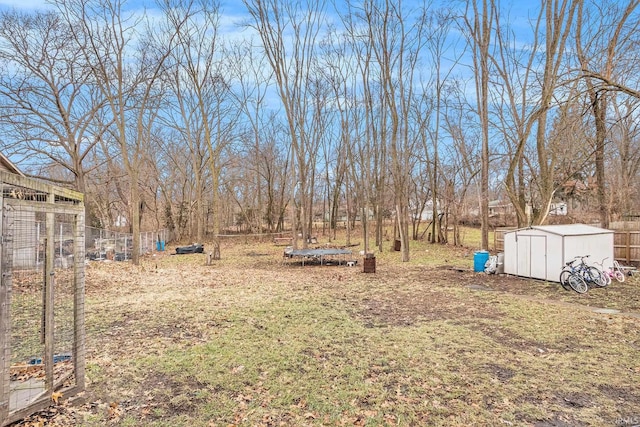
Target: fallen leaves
[(114, 412), (55, 396), (387, 350)]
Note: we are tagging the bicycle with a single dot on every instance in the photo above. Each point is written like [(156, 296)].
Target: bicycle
[(571, 275), (614, 272), (606, 274), (617, 271), (592, 274), (579, 276)]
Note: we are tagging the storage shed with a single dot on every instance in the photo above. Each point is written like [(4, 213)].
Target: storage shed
[(540, 252)]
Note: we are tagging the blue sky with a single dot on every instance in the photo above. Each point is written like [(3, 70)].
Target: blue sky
[(23, 4)]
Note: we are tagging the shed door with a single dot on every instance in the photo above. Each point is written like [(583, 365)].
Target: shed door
[(532, 256), (539, 257), (524, 255)]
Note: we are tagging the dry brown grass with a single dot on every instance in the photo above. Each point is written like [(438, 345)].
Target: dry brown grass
[(257, 341)]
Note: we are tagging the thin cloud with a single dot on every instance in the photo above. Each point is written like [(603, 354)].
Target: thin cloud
[(25, 4)]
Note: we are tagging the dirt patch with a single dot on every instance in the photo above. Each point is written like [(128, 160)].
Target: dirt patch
[(429, 294), (556, 422), (502, 373), (620, 394), (408, 308)]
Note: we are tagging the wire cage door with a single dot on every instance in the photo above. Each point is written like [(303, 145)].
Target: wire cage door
[(42, 295)]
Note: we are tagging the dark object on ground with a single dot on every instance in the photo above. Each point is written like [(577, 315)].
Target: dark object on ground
[(192, 249), (122, 256)]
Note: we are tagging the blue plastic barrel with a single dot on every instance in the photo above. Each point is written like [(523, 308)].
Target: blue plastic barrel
[(160, 245), (479, 260)]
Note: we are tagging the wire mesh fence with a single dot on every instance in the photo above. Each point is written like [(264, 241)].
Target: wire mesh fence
[(42, 295), (117, 246), (30, 304)]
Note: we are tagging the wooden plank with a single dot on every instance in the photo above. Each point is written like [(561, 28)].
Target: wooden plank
[(44, 187), (282, 241), (44, 206), (49, 284), (5, 325), (627, 246), (78, 306), (40, 404), (498, 237)]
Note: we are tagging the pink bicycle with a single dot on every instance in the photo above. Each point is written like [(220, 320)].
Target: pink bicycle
[(614, 272)]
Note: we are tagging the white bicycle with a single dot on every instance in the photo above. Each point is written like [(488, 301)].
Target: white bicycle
[(614, 272), (617, 272)]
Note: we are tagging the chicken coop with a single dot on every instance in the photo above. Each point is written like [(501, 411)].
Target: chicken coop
[(41, 295)]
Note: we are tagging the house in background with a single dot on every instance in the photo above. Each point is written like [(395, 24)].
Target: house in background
[(499, 207), (505, 208), (427, 211), (558, 208)]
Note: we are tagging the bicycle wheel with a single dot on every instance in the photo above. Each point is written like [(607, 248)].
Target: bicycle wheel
[(619, 276), (592, 275), (595, 277), (564, 277), (617, 271), (606, 277), (577, 283)]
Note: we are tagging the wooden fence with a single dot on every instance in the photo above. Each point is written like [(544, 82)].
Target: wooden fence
[(626, 244), (498, 238)]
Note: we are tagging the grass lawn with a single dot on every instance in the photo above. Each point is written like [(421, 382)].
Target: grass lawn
[(257, 341)]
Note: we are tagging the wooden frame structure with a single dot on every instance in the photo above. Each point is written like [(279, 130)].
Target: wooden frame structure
[(32, 248)]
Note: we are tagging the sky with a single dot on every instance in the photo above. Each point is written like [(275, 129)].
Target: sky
[(24, 4)]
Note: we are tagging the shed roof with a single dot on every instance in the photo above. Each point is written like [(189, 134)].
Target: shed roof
[(7, 165), (569, 229)]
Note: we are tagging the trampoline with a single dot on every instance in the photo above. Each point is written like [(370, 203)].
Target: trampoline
[(318, 254)]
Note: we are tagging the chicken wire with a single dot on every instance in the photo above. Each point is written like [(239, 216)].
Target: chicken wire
[(42, 331), (104, 244)]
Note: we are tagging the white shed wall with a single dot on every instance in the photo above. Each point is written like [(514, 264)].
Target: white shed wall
[(531, 253), (598, 247), (541, 254), (510, 253)]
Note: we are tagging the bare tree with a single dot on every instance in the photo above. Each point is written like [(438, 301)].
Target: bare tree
[(48, 105), (479, 24), (363, 108), (515, 117), (289, 34), (625, 158), (104, 33), (524, 113), (253, 75), (390, 60), (462, 166), (558, 19), (601, 39), (200, 96), (439, 45)]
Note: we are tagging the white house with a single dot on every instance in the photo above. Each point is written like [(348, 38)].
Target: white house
[(559, 208), (427, 211)]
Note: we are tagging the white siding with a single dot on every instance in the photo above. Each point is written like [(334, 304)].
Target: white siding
[(540, 252)]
